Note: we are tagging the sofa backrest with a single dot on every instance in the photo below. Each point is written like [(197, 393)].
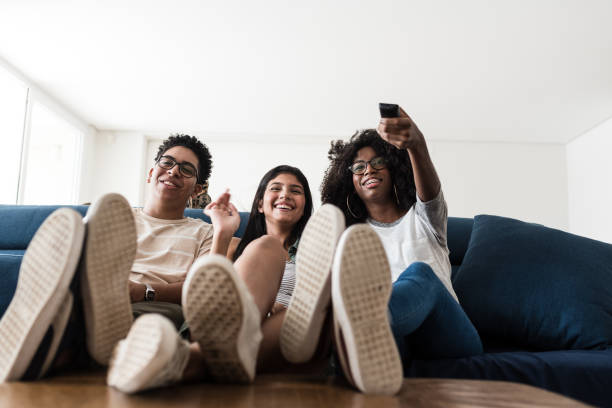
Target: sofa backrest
[(18, 223), (459, 231)]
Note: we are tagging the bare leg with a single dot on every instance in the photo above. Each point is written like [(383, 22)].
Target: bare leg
[(196, 367), (261, 267)]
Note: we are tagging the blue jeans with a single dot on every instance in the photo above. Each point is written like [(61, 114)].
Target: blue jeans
[(427, 322)]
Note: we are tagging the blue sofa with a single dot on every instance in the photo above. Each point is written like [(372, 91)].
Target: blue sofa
[(540, 298)]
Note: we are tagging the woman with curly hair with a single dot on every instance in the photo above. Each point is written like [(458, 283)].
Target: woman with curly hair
[(385, 182)]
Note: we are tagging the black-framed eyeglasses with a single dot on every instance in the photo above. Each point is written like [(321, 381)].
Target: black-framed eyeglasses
[(360, 166), (186, 169)]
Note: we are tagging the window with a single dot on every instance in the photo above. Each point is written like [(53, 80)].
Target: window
[(51, 159), (41, 150)]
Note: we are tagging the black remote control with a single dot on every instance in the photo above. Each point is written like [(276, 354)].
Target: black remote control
[(388, 110)]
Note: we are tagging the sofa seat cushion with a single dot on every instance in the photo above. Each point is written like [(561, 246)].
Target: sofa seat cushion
[(536, 287), (10, 261), (585, 375)]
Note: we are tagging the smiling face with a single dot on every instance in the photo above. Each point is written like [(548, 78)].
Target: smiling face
[(283, 201), (169, 185), (374, 185)]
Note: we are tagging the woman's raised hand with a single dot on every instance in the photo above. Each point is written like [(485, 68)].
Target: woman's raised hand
[(224, 216), (401, 132)]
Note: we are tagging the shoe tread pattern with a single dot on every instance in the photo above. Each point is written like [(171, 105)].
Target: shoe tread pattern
[(134, 354), (215, 317), (301, 327), (365, 284), (109, 254), (45, 273)]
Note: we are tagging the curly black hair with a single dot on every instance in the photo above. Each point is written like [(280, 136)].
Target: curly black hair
[(337, 187), (194, 144)]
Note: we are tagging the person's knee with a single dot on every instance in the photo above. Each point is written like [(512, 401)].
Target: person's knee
[(267, 245), (420, 271)]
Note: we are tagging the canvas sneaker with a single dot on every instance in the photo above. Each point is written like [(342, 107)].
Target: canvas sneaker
[(108, 254), (153, 355), (41, 304), (361, 288), (223, 319), (58, 327), (299, 335)]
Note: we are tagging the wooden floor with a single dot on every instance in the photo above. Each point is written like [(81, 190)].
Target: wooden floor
[(90, 390)]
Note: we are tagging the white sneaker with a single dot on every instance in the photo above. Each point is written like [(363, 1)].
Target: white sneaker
[(58, 326), (153, 355), (222, 318), (108, 254), (299, 335), (361, 287), (46, 271)]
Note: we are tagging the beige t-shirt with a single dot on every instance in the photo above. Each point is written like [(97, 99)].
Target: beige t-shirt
[(167, 248)]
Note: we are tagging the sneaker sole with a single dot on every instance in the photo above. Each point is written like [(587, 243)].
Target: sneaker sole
[(299, 335), (149, 346), (215, 308), (44, 277), (361, 288), (110, 246)]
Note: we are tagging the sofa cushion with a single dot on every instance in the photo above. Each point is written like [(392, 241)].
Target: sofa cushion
[(19, 223), (536, 287), (585, 375), (10, 261), (458, 239)]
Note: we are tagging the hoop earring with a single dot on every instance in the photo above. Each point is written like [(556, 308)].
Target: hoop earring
[(396, 196), (349, 207)]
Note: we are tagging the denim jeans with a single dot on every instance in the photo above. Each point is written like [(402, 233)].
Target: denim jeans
[(427, 322)]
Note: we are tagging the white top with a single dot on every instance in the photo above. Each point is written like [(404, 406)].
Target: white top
[(167, 248), (419, 236), (285, 291)]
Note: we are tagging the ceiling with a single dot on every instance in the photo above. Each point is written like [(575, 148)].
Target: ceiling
[(536, 71)]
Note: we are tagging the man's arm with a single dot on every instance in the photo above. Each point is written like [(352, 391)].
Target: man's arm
[(403, 133), (164, 292)]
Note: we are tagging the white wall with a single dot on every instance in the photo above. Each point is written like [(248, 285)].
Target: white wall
[(527, 181), (524, 181), (239, 165), (589, 163), (87, 165), (118, 163)]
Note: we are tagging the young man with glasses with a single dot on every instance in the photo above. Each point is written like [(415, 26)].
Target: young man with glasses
[(129, 261), (168, 243)]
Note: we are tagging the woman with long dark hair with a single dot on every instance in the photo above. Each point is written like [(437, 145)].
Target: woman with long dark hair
[(286, 228), (281, 208), (385, 183)]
